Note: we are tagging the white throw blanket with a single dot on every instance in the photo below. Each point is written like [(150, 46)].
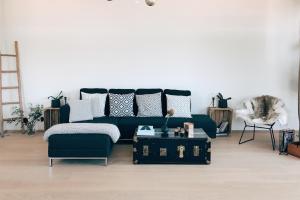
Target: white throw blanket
[(75, 128)]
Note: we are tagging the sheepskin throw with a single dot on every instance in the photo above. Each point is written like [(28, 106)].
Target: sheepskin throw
[(263, 107), (263, 110)]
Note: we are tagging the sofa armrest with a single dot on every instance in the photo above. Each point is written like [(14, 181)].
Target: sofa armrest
[(206, 123), (64, 114)]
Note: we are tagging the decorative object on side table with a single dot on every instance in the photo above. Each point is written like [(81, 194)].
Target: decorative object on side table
[(35, 115), (165, 128), (223, 119), (294, 149), (223, 103), (286, 137), (55, 101), (52, 117), (213, 101)]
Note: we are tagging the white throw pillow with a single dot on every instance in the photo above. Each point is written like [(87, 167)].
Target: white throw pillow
[(80, 110), (180, 104), (149, 105), (98, 103)]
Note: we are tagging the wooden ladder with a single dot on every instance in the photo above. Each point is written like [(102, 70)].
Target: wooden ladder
[(10, 88)]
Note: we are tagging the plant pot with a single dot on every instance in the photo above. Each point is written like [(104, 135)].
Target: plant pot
[(55, 103), (223, 103), (31, 131)]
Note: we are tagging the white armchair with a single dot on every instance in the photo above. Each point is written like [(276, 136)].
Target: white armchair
[(262, 112)]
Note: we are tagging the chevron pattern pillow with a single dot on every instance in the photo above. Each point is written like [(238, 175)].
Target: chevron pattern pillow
[(180, 104), (121, 105), (149, 105)]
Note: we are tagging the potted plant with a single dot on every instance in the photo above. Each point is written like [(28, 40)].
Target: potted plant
[(223, 103), (28, 123), (55, 101)]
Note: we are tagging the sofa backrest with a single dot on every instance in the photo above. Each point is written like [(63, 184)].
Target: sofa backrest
[(93, 91), (140, 91)]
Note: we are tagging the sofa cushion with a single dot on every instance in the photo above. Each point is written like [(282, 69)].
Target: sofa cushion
[(79, 145), (149, 105), (128, 125), (206, 123), (178, 122), (199, 121), (106, 119), (97, 91), (121, 105)]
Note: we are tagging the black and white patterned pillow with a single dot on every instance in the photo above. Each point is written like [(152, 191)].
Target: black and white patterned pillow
[(149, 105), (180, 104), (121, 105)]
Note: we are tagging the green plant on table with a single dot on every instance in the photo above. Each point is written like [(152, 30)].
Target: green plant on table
[(58, 97)]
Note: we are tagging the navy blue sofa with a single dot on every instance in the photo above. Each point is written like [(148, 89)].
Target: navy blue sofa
[(127, 125), (99, 146)]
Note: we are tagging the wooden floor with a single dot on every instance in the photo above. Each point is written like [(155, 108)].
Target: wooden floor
[(238, 172)]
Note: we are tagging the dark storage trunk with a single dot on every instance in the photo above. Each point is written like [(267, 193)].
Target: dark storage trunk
[(160, 150)]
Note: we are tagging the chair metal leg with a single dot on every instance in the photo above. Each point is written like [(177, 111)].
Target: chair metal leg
[(254, 127), (242, 134), (253, 137), (272, 138), (270, 128)]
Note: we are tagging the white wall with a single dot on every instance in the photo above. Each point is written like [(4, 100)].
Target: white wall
[(242, 48), (1, 22)]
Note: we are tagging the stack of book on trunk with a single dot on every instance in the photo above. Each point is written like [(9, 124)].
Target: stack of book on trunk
[(146, 130)]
